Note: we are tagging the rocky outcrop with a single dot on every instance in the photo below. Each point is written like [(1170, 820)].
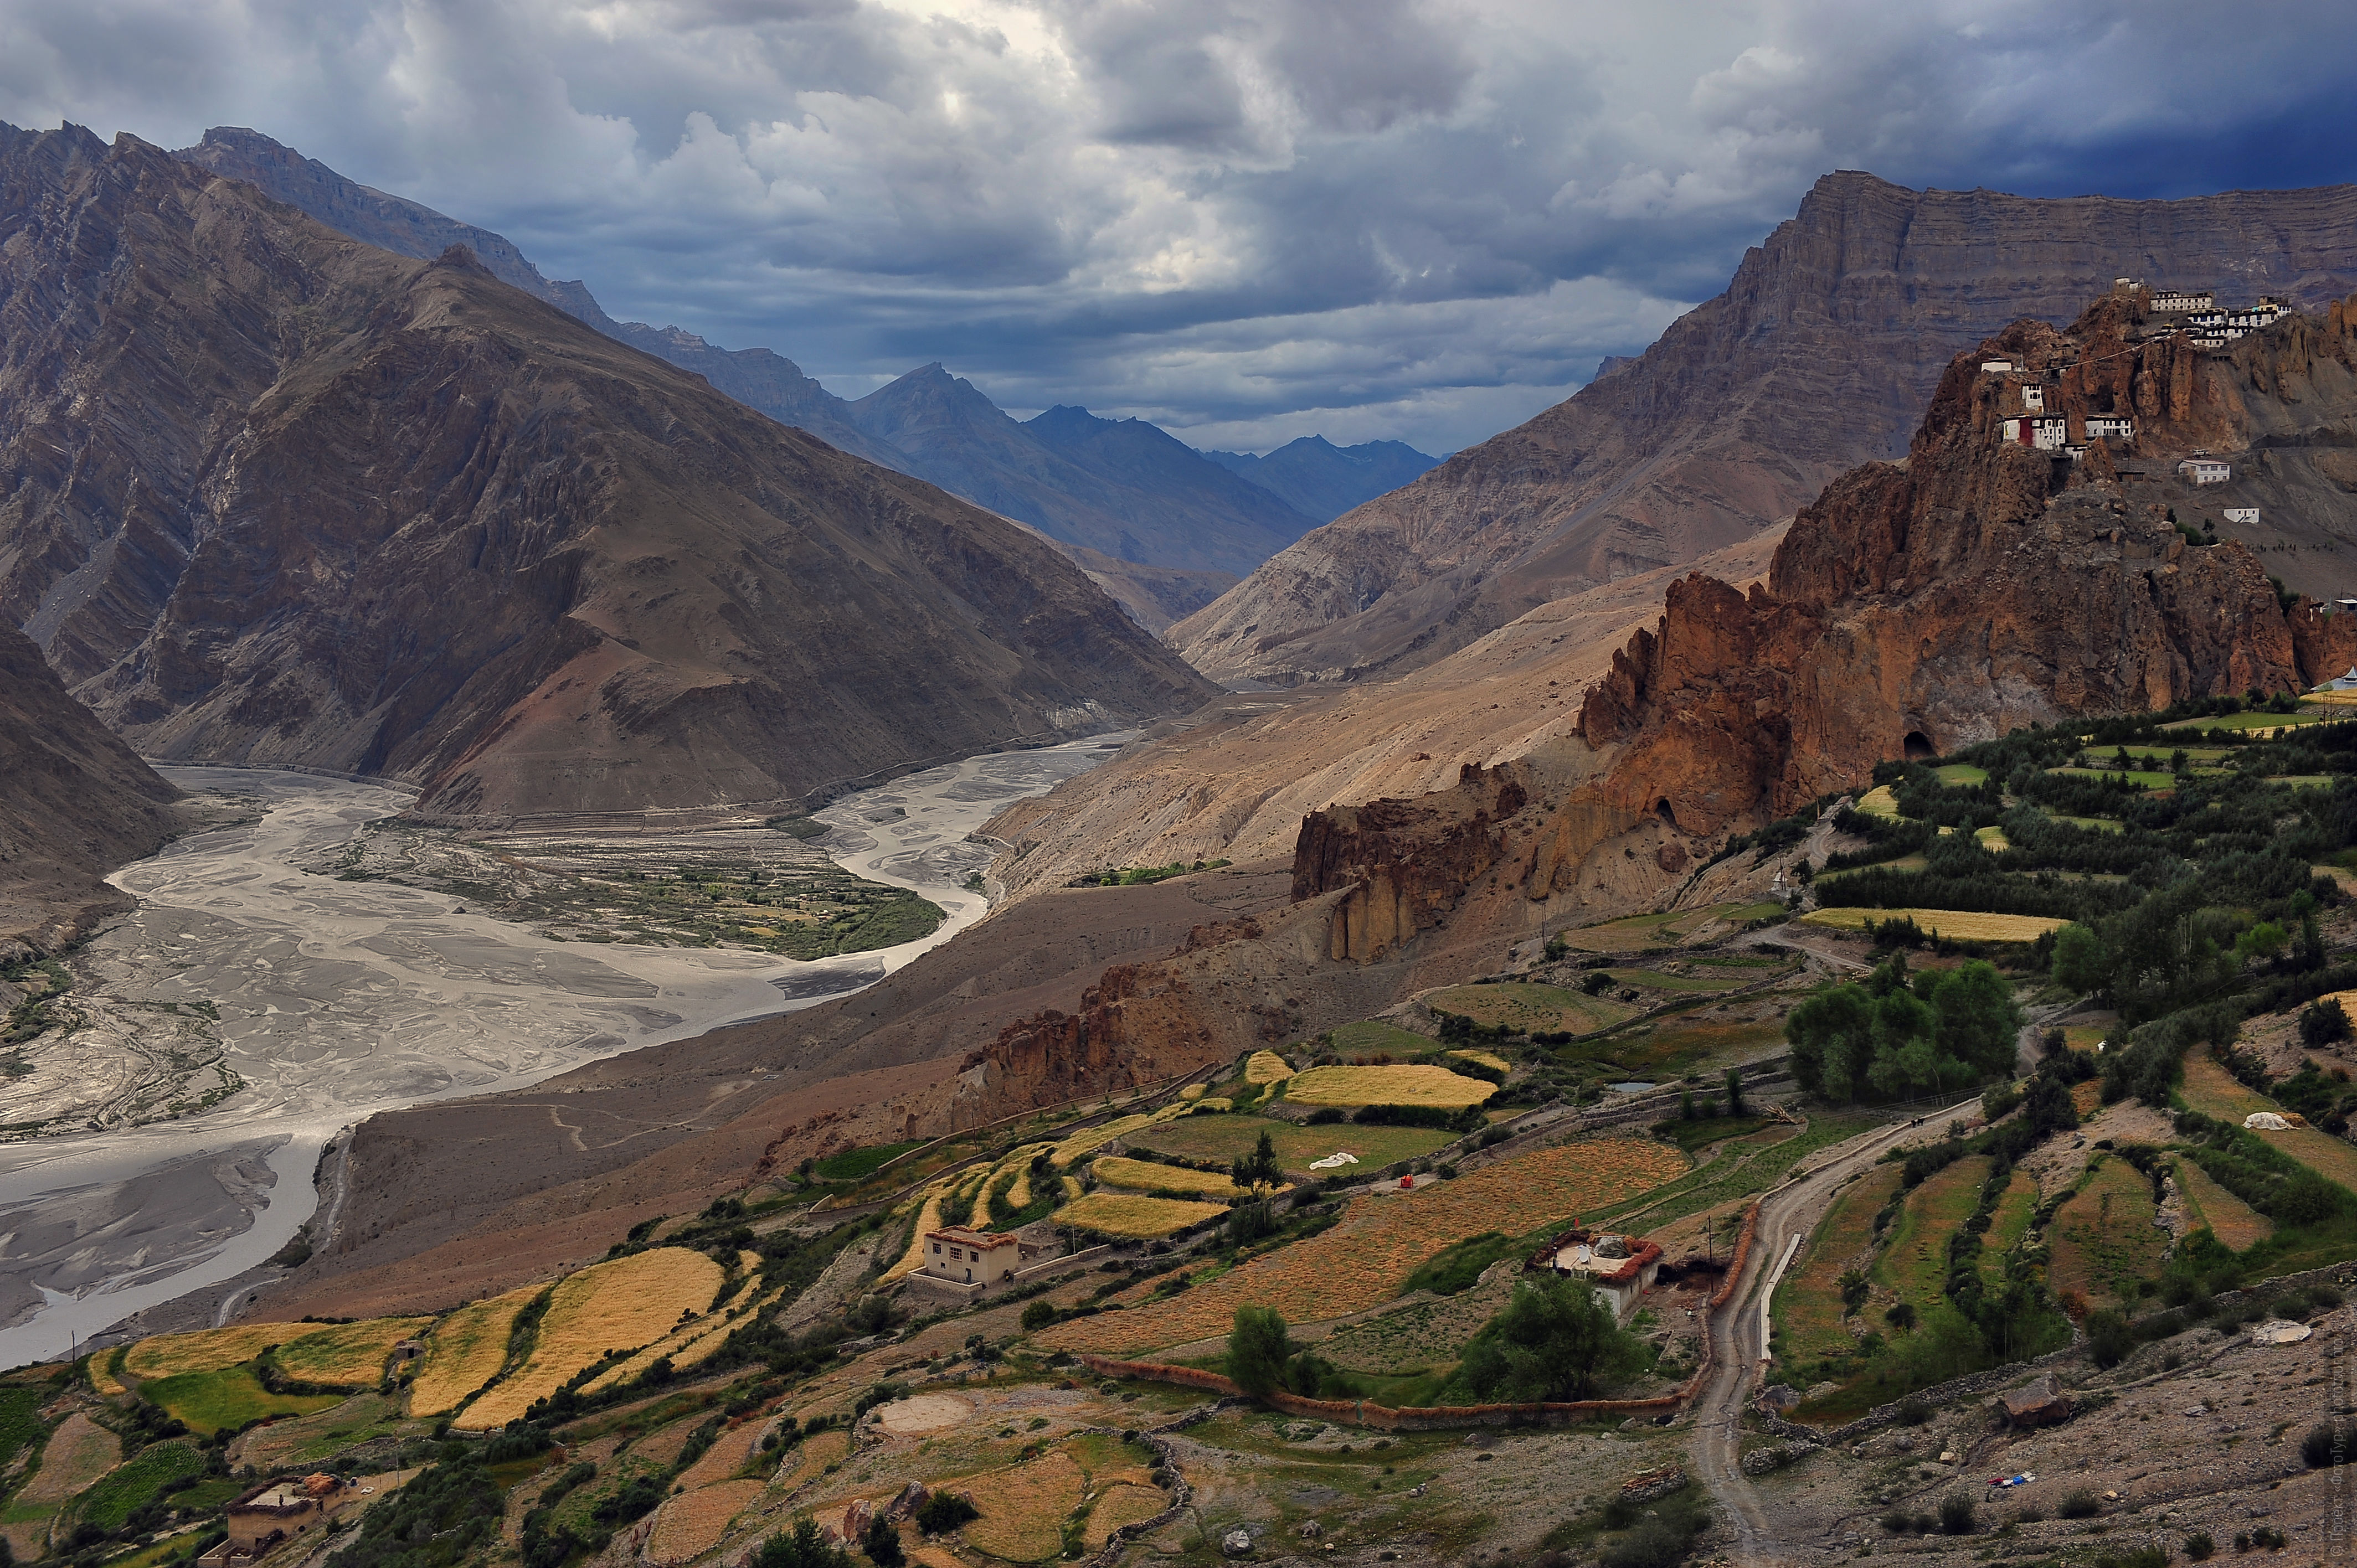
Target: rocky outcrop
[(1983, 584), (75, 804), (281, 498), (1818, 356), (1401, 865)]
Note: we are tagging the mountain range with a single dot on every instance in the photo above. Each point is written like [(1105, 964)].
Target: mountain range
[(1119, 495), (1818, 356), (279, 496)]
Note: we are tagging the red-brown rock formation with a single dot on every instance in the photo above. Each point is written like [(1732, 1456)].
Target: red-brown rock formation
[(1401, 865)]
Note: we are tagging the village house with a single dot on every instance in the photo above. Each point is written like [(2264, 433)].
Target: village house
[(2243, 514), (973, 1257), (277, 1509), (1618, 1268), (2110, 428), (2034, 399), (2047, 432), (2205, 470)]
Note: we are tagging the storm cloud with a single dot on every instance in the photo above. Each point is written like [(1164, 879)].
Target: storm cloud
[(1406, 218)]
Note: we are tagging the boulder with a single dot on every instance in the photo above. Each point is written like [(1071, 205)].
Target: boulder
[(2039, 1403)]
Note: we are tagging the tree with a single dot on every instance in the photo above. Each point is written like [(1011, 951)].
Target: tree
[(1832, 1036), (2321, 1023), (1556, 1339), (1979, 1023), (1735, 1091), (881, 1541), (2261, 943), (1257, 1172), (1258, 1349), (2081, 965)]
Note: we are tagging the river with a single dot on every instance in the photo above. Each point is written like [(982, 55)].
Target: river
[(340, 999)]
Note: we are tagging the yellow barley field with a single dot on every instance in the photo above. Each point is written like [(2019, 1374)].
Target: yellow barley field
[(691, 1344), (1957, 925), (1134, 1218), (466, 1351), (101, 1372), (622, 1305), (1266, 1067), (2235, 1223), (1024, 1507), (1087, 1142), (928, 1217), (1364, 1260), (1486, 1059), (348, 1354), (207, 1351), (1398, 1084), (1880, 803), (1146, 1175)]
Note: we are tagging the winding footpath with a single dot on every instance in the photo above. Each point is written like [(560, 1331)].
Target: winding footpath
[(1788, 1210)]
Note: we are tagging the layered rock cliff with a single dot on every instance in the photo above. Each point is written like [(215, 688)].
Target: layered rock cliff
[(1819, 355), (277, 496)]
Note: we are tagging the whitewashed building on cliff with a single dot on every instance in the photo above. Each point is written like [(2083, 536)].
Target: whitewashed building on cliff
[(2110, 428), (2178, 301), (2205, 470)]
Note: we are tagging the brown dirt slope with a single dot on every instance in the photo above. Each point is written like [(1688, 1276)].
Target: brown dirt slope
[(287, 498), (77, 804), (1828, 340)]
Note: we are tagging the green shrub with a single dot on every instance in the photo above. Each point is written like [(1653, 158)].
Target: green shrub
[(2329, 1442), (2198, 1546), (1956, 1511), (944, 1512), (2081, 1504)]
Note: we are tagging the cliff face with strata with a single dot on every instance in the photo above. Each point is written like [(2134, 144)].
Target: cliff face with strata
[(1818, 356)]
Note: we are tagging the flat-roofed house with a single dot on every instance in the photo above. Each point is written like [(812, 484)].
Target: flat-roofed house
[(1619, 1268)]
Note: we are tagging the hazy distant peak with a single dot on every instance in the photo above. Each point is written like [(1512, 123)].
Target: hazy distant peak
[(1323, 480)]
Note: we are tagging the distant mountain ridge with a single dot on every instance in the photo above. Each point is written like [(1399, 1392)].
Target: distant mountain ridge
[(1825, 344), (1131, 494), (284, 498), (1323, 480)]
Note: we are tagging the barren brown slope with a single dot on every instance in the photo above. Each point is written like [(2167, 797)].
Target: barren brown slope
[(287, 498), (74, 804), (1234, 780), (1819, 355)]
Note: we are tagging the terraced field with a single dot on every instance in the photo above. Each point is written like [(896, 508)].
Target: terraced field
[(1960, 926), (2235, 1224), (349, 1355), (2007, 1225), (1525, 1009), (1132, 1218), (1914, 1264), (2104, 1240), (2211, 1089), (1225, 1137), (1808, 1305), (623, 1305), (465, 1349), (1398, 1084)]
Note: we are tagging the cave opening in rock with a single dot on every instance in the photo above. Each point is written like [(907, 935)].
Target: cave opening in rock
[(1663, 812), (1920, 747)]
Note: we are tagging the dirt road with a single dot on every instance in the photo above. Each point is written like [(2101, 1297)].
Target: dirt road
[(1789, 1211)]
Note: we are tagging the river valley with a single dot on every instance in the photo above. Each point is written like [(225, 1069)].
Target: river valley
[(252, 1006)]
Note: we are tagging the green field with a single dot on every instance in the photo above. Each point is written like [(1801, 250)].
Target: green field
[(1917, 862), (1634, 933), (2094, 824), (230, 1397), (20, 1423), (2302, 780), (138, 1480), (1225, 1137), (1525, 1009), (1373, 1036), (1808, 1305), (2014, 1211), (2134, 775), (858, 1164), (1657, 980), (1671, 1048), (2248, 721), (2103, 1240), (1914, 1263), (1953, 773)]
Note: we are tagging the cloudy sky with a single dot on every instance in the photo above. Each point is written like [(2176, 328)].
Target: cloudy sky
[(1422, 220)]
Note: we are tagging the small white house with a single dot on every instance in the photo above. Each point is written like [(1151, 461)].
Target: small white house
[(2047, 432), (1996, 367), (2034, 399), (2110, 428), (2241, 514), (2205, 470), (973, 1257)]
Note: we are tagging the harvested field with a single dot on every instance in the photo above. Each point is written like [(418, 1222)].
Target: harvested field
[(1146, 1175), (2235, 1224), (928, 1217), (1025, 1506), (2210, 1089), (1396, 1085), (349, 1355), (1959, 926), (619, 1305), (1266, 1067), (1019, 1191), (1225, 1137), (1119, 1505), (2104, 1240), (1485, 1059), (807, 1460), (693, 1523), (102, 1367), (79, 1453), (466, 1351), (1808, 1304), (1878, 801), (1364, 1259), (1133, 1218), (1524, 1009), (1914, 1263), (691, 1344), (169, 1355)]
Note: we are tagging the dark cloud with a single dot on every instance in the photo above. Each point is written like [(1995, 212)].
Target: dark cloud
[(1421, 219)]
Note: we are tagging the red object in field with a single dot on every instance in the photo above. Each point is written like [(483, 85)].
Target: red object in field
[(1408, 1182)]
